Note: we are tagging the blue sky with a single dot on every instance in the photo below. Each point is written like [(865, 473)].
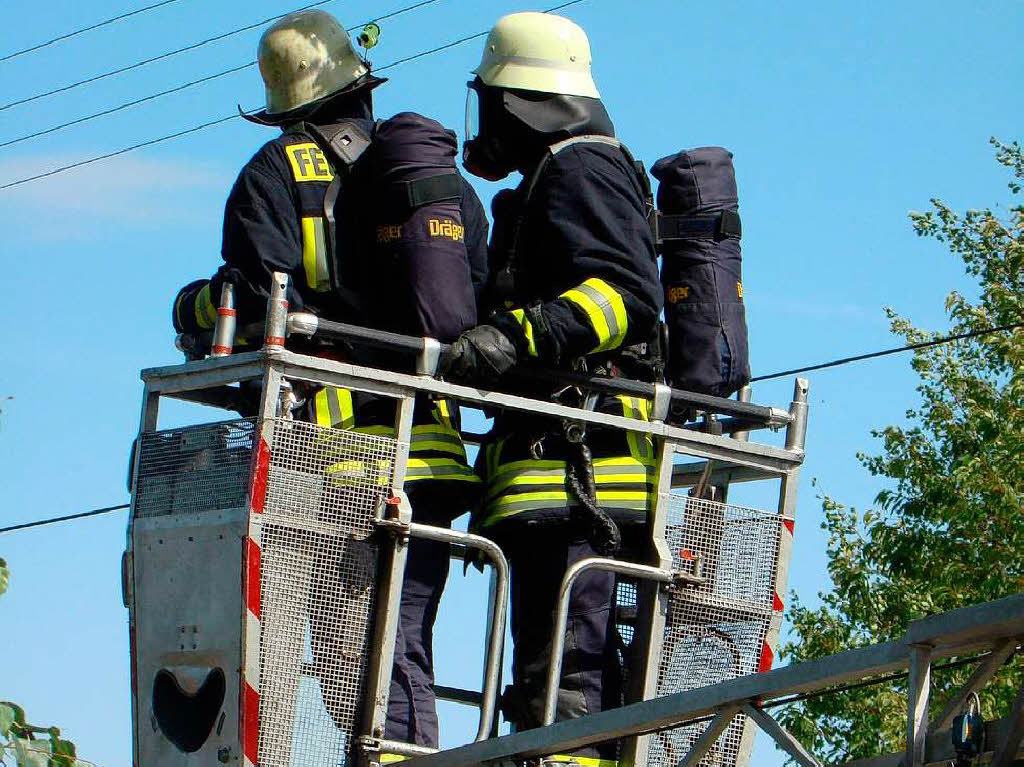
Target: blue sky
[(842, 117)]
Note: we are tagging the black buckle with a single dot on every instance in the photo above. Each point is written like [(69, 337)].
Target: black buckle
[(729, 224)]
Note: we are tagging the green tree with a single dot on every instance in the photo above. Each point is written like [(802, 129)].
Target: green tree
[(948, 529)]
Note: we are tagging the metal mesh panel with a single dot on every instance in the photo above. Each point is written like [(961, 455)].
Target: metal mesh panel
[(318, 568), (715, 631), (194, 469)]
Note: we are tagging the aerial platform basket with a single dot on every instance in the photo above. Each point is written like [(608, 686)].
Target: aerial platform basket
[(265, 559)]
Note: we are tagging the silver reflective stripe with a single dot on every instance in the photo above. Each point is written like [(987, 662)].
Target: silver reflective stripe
[(590, 139)]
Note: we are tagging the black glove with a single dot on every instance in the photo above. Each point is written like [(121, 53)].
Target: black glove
[(479, 356)]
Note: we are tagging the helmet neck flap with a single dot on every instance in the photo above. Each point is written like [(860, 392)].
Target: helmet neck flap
[(516, 126)]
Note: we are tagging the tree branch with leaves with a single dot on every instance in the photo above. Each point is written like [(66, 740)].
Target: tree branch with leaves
[(947, 529)]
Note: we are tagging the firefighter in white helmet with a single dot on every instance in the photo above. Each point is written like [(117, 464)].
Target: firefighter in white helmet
[(278, 218), (573, 285)]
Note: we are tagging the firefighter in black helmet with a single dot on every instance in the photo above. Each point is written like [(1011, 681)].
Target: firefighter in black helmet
[(276, 220), (574, 285)]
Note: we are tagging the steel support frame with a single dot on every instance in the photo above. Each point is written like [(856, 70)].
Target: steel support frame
[(780, 735), (961, 631), (718, 725), (939, 752), (985, 671), (274, 365)]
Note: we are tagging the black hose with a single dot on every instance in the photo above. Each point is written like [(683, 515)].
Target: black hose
[(601, 531)]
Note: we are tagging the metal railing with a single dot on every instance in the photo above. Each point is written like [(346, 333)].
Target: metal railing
[(702, 585)]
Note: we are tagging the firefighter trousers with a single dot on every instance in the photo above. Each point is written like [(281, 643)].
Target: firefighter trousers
[(591, 679), (412, 710)]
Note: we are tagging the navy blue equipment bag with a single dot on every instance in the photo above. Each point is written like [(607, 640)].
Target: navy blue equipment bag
[(698, 236)]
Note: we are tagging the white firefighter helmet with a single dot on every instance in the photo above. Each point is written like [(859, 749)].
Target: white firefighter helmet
[(304, 57), (538, 52)]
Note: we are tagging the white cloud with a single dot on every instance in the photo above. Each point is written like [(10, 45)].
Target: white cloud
[(135, 190)]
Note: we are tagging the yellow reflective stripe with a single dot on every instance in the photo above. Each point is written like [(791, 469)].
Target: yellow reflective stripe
[(531, 465), (527, 327), (635, 500), (442, 413), (314, 254), (392, 758), (332, 407), (354, 470), (532, 478), (206, 312), (641, 447), (342, 399), (321, 411), (636, 473), (582, 761), (439, 468), (376, 431), (604, 308), (438, 438)]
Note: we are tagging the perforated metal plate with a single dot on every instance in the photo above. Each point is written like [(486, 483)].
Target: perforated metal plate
[(318, 569), (193, 469), (715, 631)]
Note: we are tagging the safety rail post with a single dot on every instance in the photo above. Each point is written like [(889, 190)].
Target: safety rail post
[(277, 311), (652, 606), (389, 592), (224, 329), (743, 395), (918, 697), (796, 432)]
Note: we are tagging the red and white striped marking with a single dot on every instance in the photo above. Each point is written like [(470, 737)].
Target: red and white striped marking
[(249, 696), (778, 605)]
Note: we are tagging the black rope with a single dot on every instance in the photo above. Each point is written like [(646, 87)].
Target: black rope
[(81, 515), (895, 350), (89, 28)]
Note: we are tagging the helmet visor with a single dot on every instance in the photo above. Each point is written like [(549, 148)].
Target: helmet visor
[(472, 112)]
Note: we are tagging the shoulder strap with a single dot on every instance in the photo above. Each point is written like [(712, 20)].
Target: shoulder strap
[(342, 143), (504, 280)]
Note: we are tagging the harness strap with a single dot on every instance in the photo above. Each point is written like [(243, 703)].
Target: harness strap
[(504, 279), (718, 226), (424, 191), (342, 143)]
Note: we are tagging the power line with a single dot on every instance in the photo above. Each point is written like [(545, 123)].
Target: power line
[(211, 123), (125, 105), (936, 342), (89, 28), (52, 520), (189, 84), (895, 350), (121, 151), (167, 55)]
